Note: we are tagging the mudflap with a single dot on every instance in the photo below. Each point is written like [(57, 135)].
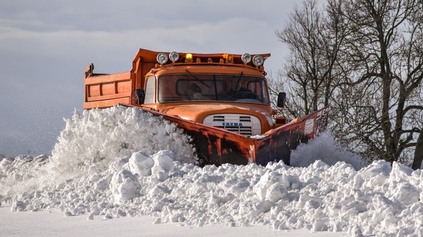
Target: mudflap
[(215, 146)]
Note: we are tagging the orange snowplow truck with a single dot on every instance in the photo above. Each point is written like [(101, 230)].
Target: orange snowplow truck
[(220, 100)]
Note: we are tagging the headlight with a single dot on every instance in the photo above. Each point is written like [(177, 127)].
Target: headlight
[(174, 56), (258, 60), (246, 58), (162, 58)]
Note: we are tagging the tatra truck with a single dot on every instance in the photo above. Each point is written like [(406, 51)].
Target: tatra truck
[(220, 100)]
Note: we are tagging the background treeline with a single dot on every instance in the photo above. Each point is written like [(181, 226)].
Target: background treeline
[(364, 58)]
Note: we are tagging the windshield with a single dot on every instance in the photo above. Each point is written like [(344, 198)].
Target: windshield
[(206, 87)]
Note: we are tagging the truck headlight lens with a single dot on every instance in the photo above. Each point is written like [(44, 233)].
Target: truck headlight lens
[(246, 58), (162, 58), (258, 60), (174, 56)]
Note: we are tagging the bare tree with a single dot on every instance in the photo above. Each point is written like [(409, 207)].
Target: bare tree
[(365, 58), (418, 156), (314, 40), (386, 54)]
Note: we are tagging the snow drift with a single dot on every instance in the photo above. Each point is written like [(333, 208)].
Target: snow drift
[(122, 162)]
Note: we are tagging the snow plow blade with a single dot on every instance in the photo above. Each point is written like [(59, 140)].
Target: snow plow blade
[(215, 146)]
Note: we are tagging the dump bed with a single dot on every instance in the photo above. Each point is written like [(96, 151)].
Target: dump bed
[(104, 90)]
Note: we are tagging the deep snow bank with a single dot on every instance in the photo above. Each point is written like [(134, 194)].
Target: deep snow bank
[(149, 178), (93, 139)]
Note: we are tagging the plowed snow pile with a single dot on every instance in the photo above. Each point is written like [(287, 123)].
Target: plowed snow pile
[(121, 162)]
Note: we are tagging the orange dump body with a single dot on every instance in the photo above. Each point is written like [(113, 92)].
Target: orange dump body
[(220, 100)]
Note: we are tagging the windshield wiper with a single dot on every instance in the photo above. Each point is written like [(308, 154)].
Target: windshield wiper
[(237, 82), (197, 79)]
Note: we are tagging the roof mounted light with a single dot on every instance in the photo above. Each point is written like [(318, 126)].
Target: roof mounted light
[(188, 58), (162, 58), (246, 58), (174, 56), (258, 60)]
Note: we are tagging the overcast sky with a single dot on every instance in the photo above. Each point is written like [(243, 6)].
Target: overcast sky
[(45, 46)]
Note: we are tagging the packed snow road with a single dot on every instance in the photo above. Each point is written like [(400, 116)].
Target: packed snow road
[(122, 162)]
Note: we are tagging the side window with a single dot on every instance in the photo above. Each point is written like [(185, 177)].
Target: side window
[(149, 91)]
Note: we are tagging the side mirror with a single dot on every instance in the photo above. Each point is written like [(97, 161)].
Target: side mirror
[(281, 99), (139, 96)]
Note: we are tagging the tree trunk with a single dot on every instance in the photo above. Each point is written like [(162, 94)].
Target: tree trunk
[(418, 154)]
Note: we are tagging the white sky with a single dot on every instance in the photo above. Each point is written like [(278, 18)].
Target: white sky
[(45, 46)]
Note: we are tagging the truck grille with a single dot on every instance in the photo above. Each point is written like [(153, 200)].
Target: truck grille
[(239, 123)]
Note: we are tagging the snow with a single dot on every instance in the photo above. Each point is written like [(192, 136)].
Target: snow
[(41, 224), (121, 165)]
